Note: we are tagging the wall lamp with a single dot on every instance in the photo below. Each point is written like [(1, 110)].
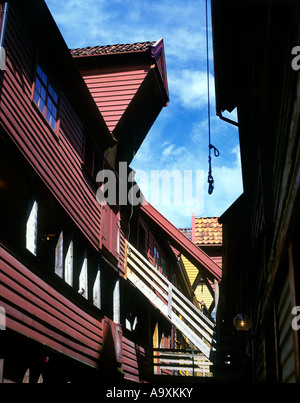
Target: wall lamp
[(242, 322)]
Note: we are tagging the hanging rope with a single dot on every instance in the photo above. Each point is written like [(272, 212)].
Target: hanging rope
[(210, 178)]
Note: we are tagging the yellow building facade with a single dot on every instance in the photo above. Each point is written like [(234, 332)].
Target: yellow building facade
[(206, 233)]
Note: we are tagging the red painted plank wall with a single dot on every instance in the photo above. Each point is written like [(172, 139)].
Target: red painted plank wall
[(137, 361), (114, 89), (36, 310), (56, 158)]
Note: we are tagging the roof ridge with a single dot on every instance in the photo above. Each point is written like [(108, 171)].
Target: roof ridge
[(111, 49)]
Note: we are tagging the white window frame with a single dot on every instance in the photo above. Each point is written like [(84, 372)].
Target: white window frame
[(59, 256), (32, 227), (68, 269), (83, 277), (97, 289)]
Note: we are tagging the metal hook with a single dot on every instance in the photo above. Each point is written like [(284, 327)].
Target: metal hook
[(210, 181), (216, 151)]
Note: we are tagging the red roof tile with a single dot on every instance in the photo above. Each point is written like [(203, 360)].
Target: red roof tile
[(208, 231), (112, 49), (187, 232)]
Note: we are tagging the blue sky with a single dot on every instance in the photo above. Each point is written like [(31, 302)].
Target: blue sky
[(178, 140)]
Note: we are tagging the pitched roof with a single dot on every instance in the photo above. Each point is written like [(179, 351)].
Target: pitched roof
[(187, 232), (208, 231), (112, 49), (129, 85), (183, 244)]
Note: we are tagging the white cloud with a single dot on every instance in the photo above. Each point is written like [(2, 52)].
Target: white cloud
[(179, 137), (167, 152), (184, 45), (189, 87), (227, 182), (98, 22)]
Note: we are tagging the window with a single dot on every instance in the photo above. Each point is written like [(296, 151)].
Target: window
[(156, 258), (31, 227), (46, 97), (142, 240), (69, 261), (160, 262), (59, 256), (63, 262), (164, 266), (97, 289), (116, 302), (83, 276)]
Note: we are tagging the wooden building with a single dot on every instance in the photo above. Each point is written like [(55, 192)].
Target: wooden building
[(157, 244), (87, 289), (206, 233), (256, 73)]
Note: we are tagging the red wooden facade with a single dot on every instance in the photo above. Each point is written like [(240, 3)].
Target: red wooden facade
[(121, 79), (114, 90), (37, 310), (40, 144), (56, 166), (71, 313)]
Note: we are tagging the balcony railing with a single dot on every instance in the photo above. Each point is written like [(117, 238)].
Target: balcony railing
[(181, 362), (193, 324)]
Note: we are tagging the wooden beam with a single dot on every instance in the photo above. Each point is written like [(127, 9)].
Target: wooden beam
[(197, 280), (195, 255)]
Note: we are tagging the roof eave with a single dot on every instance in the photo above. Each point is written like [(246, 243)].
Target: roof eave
[(153, 55), (192, 252), (158, 53)]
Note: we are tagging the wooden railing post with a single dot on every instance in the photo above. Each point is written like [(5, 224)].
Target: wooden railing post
[(216, 295), (193, 362), (194, 325)]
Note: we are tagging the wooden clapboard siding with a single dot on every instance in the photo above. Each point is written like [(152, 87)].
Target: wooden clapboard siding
[(70, 126), (137, 361), (55, 157), (113, 90), (285, 335), (202, 292), (36, 310), (191, 270)]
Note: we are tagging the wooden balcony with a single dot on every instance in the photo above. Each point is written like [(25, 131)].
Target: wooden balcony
[(192, 323), (181, 362)]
